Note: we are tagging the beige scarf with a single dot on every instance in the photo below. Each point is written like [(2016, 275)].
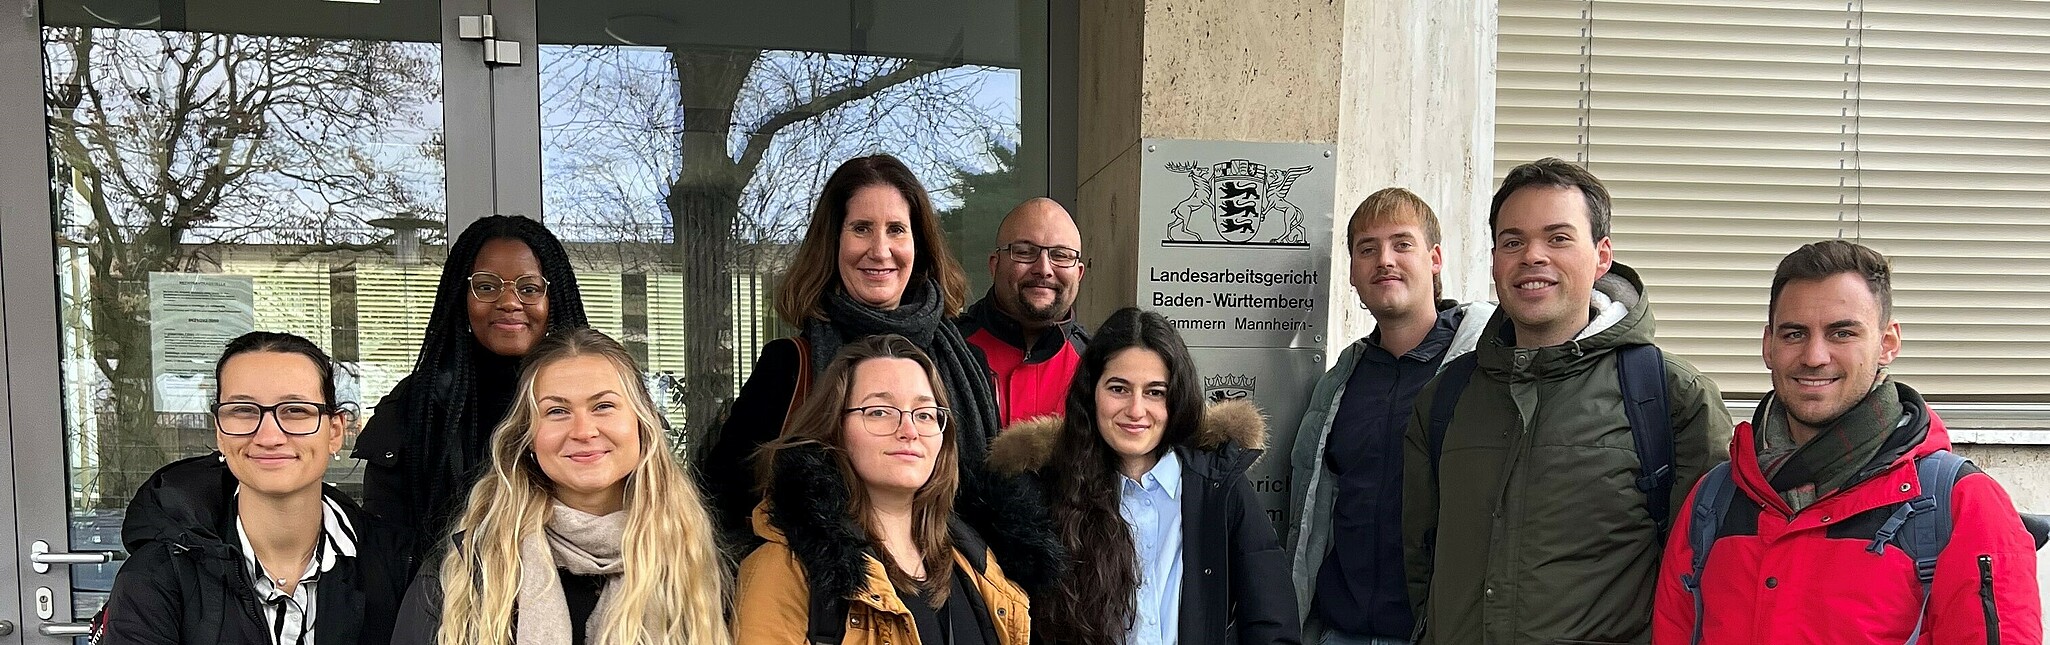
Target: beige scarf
[(586, 545)]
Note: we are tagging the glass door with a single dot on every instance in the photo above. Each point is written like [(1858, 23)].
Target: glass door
[(211, 167), (683, 145)]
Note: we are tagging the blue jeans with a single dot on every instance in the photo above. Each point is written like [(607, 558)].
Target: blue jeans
[(1336, 638)]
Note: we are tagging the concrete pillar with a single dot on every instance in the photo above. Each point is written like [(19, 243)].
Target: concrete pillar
[(1404, 89)]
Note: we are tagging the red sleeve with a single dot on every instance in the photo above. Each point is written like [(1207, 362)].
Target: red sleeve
[(1672, 615), (1987, 574)]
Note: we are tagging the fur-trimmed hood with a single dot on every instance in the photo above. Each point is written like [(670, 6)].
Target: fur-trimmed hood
[(808, 511), (1234, 430)]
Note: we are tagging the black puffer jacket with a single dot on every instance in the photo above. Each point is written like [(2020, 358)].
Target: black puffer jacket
[(184, 580), (1236, 588)]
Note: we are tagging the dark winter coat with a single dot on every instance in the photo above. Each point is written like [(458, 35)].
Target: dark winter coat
[(1785, 576), (814, 545), (403, 481), (1235, 587), (185, 581), (1529, 527)]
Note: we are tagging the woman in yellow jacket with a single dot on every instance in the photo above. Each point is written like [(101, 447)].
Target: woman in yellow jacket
[(862, 545)]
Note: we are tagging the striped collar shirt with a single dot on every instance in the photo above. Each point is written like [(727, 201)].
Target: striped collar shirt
[(290, 617)]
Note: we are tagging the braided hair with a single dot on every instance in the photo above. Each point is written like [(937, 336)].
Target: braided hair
[(444, 443)]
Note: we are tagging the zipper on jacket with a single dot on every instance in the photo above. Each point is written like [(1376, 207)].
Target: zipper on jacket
[(1986, 599)]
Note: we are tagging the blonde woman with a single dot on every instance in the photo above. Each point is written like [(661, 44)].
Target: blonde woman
[(584, 530)]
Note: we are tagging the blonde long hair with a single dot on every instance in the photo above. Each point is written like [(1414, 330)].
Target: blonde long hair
[(673, 590)]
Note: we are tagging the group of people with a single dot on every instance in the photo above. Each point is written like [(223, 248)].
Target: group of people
[(913, 468)]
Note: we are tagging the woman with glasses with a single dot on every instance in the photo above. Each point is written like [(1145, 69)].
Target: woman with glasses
[(862, 542), (506, 283), (247, 545), (583, 528), (1149, 494), (874, 261)]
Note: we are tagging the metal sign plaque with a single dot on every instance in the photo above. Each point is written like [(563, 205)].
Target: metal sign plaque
[(1232, 240), (1277, 380)]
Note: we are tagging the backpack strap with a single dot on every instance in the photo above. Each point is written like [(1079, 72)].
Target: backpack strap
[(1921, 527), (1641, 370), (827, 623), (803, 383), (1712, 499), (1452, 379)]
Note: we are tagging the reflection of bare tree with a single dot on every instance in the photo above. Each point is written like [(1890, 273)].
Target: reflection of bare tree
[(168, 141), (723, 148)]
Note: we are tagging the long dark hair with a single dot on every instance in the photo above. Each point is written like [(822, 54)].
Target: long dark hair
[(1094, 603), (815, 269), (817, 422), (445, 438)]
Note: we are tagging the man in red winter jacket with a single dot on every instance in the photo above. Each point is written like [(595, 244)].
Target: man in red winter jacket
[(1830, 456), (1026, 325)]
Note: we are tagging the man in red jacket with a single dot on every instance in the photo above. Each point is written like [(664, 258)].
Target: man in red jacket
[(1802, 554), (1026, 325)]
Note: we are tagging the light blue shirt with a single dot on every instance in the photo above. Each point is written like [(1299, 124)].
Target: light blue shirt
[(1153, 508)]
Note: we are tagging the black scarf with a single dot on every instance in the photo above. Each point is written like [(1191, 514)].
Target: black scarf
[(919, 317)]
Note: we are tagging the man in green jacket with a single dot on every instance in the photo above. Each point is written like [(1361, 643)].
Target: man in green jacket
[(1528, 526)]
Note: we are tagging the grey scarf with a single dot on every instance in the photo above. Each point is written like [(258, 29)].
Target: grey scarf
[(586, 545)]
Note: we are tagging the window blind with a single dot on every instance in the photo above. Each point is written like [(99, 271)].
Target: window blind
[(1732, 132)]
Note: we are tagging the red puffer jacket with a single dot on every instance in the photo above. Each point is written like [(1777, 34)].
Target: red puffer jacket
[(1031, 381), (1776, 576)]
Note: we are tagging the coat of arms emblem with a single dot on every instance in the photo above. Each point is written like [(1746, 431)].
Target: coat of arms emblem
[(1245, 201), (1228, 387)]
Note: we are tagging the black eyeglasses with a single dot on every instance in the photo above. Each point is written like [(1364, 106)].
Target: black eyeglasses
[(486, 286), (883, 420), (1027, 253), (296, 418)]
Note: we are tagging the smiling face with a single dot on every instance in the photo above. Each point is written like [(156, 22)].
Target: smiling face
[(271, 462), (1546, 262), (1036, 293), (897, 464), (877, 249), (586, 436), (1825, 346), (1131, 407), (507, 327), (1393, 266)]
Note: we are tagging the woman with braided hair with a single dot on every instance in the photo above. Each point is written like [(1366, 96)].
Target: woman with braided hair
[(874, 261), (506, 283)]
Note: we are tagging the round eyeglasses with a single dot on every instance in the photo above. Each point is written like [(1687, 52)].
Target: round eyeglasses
[(486, 286), (296, 418), (884, 420)]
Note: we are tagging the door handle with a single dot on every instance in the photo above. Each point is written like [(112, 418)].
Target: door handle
[(65, 629), (40, 557)]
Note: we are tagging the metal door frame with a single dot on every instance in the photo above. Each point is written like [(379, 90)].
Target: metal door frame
[(34, 477)]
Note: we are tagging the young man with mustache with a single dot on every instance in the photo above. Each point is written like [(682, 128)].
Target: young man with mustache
[(1346, 491), (1832, 457), (1026, 325), (1528, 514)]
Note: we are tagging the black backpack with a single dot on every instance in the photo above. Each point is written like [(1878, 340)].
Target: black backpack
[(1641, 371)]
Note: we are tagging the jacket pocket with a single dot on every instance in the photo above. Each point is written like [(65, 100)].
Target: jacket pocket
[(1986, 600)]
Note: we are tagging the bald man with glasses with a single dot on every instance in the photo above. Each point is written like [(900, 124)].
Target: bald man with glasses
[(1026, 324)]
